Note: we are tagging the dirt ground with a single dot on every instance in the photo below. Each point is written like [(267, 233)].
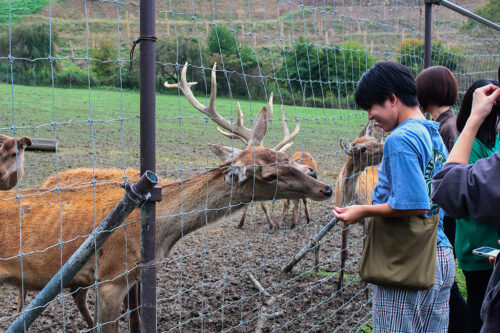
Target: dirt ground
[(203, 287)]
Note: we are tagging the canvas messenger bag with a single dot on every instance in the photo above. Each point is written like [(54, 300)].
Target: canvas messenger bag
[(401, 252)]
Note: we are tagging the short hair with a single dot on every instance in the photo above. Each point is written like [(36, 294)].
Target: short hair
[(380, 81), (488, 130), (436, 86)]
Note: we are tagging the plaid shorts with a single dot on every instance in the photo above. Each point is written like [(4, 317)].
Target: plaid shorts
[(402, 310)]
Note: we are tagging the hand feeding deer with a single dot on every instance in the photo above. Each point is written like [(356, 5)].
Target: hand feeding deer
[(256, 173), (358, 178)]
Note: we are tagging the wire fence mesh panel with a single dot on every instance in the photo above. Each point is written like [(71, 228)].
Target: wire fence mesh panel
[(67, 77)]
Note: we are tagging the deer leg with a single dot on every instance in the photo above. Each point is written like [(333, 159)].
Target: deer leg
[(80, 297), (111, 295), (306, 211), (295, 213), (343, 256), (266, 211), (281, 221), (243, 216), (20, 299), (132, 302)]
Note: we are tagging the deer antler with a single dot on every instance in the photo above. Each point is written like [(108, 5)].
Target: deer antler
[(236, 130), (287, 141)]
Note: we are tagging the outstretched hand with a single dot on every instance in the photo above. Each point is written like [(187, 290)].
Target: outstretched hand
[(349, 214)]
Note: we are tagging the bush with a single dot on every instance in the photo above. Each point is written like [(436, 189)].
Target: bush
[(104, 63), (412, 50), (221, 40), (29, 41)]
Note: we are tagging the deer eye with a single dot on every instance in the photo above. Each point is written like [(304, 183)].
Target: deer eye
[(270, 178), (13, 155)]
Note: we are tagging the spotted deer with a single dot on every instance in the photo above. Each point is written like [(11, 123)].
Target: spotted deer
[(12, 160), (255, 173), (356, 181), (303, 158)]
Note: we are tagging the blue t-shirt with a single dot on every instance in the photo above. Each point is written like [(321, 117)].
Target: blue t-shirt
[(413, 153)]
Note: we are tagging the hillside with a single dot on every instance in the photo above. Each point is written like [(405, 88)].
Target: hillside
[(80, 23)]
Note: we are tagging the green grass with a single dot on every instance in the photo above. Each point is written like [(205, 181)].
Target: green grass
[(19, 8), (88, 127)]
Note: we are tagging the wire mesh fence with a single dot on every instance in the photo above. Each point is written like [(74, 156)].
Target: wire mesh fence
[(67, 76)]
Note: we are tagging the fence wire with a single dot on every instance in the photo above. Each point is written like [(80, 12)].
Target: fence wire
[(66, 75)]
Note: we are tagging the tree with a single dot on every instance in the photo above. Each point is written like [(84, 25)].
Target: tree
[(313, 70)]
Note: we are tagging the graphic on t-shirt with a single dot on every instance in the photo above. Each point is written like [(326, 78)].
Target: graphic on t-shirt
[(437, 160)]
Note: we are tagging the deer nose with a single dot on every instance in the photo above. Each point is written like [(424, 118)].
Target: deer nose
[(313, 173), (327, 192)]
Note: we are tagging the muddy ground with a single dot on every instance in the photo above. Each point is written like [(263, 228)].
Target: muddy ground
[(208, 291)]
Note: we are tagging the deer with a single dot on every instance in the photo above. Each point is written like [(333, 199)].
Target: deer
[(12, 160), (255, 173), (240, 132), (303, 158), (356, 181)]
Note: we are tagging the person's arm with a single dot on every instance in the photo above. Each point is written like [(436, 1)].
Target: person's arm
[(469, 190), (483, 101), (353, 214)]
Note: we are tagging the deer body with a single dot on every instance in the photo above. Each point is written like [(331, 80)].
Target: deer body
[(186, 206), (355, 184)]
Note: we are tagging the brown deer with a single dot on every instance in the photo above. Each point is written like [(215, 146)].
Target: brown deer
[(237, 131), (303, 158), (355, 184), (256, 173), (12, 160)]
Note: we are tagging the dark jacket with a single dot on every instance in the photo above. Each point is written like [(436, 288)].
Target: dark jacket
[(448, 128), (490, 309), (470, 190)]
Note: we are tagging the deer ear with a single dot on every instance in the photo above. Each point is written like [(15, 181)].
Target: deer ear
[(25, 142), (236, 175), (259, 129), (346, 146), (3, 138), (225, 153)]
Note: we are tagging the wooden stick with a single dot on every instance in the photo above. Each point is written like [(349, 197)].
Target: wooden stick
[(257, 284), (311, 245)]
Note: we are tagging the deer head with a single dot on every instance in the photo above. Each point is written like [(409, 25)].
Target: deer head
[(12, 160), (264, 173), (363, 152)]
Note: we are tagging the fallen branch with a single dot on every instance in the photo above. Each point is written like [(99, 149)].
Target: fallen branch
[(257, 284), (266, 305), (311, 245)]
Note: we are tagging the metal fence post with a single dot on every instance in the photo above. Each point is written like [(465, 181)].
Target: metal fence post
[(428, 33), (148, 161)]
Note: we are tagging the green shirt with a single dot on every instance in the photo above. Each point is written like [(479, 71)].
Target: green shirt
[(470, 233)]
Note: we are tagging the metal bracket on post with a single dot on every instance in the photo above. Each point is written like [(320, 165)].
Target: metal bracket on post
[(155, 194)]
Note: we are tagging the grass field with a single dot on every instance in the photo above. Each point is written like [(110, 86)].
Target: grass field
[(100, 128)]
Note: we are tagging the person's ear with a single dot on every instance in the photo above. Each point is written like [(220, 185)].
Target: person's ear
[(392, 98)]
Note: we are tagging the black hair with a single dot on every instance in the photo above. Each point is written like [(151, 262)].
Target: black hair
[(386, 78), (488, 130)]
